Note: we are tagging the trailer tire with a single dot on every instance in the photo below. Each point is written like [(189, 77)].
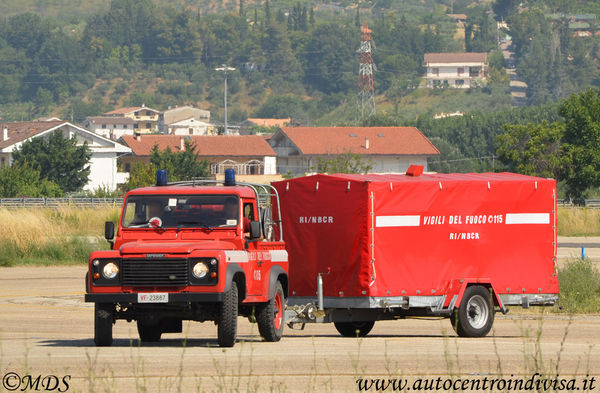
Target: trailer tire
[(270, 316), (103, 321), (149, 330), (227, 325), (355, 328), (475, 316)]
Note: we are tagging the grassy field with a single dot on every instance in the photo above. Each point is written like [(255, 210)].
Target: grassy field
[(52, 236)]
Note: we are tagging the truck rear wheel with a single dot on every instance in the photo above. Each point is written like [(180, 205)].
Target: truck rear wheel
[(103, 321), (149, 330), (475, 316), (270, 316), (227, 326), (354, 329)]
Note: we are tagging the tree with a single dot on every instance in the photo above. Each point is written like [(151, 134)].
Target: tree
[(345, 163), (182, 165), (581, 140), (57, 159), (24, 181), (532, 149)]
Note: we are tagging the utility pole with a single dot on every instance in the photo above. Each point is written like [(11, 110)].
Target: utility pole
[(224, 68)]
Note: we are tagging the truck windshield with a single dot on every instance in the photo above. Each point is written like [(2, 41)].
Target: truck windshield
[(180, 211)]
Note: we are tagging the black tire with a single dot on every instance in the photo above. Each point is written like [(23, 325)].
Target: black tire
[(227, 325), (149, 330), (270, 316), (103, 321), (354, 329), (475, 316)]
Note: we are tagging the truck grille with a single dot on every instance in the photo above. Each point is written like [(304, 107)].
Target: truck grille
[(155, 273)]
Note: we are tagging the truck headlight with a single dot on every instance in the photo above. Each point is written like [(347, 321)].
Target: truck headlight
[(200, 270), (110, 270)]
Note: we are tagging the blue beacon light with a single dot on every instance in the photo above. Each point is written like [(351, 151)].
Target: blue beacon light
[(229, 177), (161, 177)]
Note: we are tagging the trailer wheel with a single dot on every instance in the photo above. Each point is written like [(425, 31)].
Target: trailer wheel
[(103, 321), (270, 316), (227, 325), (354, 329), (475, 316), (149, 330)]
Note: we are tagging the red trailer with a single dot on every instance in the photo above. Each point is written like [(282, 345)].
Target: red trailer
[(369, 247)]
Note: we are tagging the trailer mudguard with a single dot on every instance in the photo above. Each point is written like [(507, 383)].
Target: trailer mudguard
[(454, 298)]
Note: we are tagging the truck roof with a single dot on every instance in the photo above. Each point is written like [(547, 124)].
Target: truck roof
[(434, 177), (242, 191)]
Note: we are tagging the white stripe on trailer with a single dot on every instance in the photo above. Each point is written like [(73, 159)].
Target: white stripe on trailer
[(528, 218), (397, 221), (279, 256), (236, 256)]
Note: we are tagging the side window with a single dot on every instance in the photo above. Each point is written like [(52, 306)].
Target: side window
[(249, 211)]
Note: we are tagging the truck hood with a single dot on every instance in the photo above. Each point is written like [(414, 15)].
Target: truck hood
[(146, 247)]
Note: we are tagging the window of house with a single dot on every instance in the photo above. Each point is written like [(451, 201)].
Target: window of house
[(135, 125), (125, 126), (435, 71), (148, 125), (459, 82), (459, 71), (2, 162), (103, 125), (191, 131), (128, 167)]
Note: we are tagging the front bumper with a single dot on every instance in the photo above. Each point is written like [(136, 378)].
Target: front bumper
[(174, 297)]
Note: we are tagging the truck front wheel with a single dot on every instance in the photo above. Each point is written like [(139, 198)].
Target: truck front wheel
[(149, 330), (270, 316), (475, 316), (354, 329), (103, 321), (227, 325)]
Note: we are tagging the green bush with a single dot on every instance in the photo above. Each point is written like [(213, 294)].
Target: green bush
[(579, 282)]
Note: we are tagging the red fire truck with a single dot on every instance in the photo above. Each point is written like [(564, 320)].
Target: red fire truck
[(361, 248), (191, 251)]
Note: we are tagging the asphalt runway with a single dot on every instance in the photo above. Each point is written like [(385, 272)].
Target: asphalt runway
[(46, 330)]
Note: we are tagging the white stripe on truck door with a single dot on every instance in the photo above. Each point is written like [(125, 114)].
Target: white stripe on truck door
[(397, 221), (528, 218)]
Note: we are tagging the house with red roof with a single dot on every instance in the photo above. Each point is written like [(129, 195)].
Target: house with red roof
[(103, 161), (388, 149), (246, 154), (460, 70), (145, 119)]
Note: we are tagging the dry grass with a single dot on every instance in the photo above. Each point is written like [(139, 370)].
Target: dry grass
[(51, 236), (578, 221)]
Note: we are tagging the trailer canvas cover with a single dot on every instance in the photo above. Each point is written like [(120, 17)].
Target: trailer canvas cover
[(399, 235)]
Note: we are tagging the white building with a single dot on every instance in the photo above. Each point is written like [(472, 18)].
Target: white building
[(191, 126), (103, 162), (111, 127), (459, 70), (179, 113), (386, 149)]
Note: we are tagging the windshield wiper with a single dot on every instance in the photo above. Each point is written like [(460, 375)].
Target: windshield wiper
[(200, 224)]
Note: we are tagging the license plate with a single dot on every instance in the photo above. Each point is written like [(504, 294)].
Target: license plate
[(153, 297)]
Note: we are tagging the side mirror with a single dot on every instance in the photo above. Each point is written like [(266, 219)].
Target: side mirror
[(109, 230), (254, 229)]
